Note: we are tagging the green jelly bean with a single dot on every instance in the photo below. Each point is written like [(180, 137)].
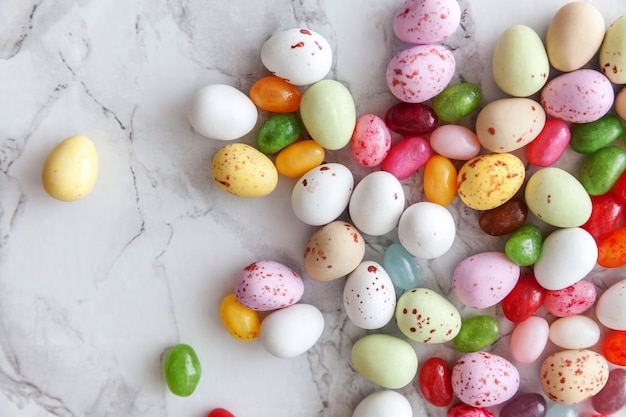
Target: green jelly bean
[(457, 101), (278, 132), (477, 333), (589, 137), (524, 245), (181, 370), (602, 169)]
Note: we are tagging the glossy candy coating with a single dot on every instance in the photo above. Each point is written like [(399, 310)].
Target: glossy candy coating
[(275, 95), (606, 213), (464, 410), (181, 370), (612, 397), (457, 101), (440, 180), (241, 322), (298, 158), (504, 219), (525, 405), (612, 249), (550, 143), (589, 137), (524, 245), (220, 412), (407, 156), (434, 382), (602, 169), (401, 267), (477, 333), (278, 132), (524, 299), (411, 119), (614, 347)]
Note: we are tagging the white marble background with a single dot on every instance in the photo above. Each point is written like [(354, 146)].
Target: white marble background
[(92, 292)]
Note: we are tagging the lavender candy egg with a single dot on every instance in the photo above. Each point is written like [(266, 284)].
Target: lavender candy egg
[(419, 73), (268, 285), (426, 21)]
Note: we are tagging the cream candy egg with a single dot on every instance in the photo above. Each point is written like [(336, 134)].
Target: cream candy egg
[(268, 285), (612, 56), (222, 112), (322, 194), (299, 56), (426, 21), (383, 403), (611, 306), (427, 230), (369, 298), (377, 203), (291, 331), (574, 332)]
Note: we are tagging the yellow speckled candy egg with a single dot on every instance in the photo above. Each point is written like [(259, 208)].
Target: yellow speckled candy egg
[(242, 170), (572, 376), (490, 180), (71, 169)]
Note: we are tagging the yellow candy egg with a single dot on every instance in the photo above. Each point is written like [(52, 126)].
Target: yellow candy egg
[(71, 169), (242, 170), (299, 158), (241, 322), (490, 180)]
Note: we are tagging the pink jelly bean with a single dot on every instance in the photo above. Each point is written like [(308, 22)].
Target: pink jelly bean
[(464, 410), (550, 144), (406, 157), (455, 142), (371, 140), (529, 338), (572, 300)]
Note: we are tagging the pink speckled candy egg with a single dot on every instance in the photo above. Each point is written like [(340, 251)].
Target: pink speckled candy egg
[(426, 21), (580, 96), (482, 379), (268, 285), (371, 140), (572, 300), (484, 279), (419, 73)]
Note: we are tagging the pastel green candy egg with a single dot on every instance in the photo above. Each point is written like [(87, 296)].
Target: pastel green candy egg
[(425, 316), (524, 245), (477, 333), (278, 132), (181, 370), (457, 101), (589, 137), (602, 169), (328, 113)]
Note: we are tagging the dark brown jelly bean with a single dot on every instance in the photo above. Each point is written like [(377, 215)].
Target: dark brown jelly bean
[(504, 219)]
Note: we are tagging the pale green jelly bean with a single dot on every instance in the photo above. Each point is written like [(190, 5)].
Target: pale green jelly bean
[(602, 169), (385, 360), (328, 113), (477, 333), (589, 137), (181, 370)]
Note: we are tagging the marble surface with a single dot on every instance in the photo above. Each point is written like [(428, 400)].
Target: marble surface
[(93, 292)]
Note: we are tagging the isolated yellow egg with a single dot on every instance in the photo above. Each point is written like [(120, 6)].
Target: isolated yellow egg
[(71, 169)]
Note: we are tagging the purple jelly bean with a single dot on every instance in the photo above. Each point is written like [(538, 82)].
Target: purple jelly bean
[(612, 397), (525, 405)]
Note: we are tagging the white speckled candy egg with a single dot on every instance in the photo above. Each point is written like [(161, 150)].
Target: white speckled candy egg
[(484, 279), (572, 376), (519, 62), (427, 230), (322, 194), (567, 256), (333, 251), (574, 332), (611, 306), (222, 112), (482, 379), (568, 47), (299, 56), (383, 403), (268, 285), (242, 170), (509, 123), (558, 198), (426, 21), (377, 203), (580, 96), (291, 331), (425, 316), (369, 298), (419, 73), (613, 52)]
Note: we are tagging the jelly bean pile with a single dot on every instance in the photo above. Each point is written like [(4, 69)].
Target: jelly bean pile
[(579, 215)]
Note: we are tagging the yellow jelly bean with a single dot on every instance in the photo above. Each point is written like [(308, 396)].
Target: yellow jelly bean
[(299, 157), (440, 180), (241, 322)]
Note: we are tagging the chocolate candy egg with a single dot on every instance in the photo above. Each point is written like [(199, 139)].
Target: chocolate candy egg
[(426, 21), (291, 331), (612, 56), (268, 285)]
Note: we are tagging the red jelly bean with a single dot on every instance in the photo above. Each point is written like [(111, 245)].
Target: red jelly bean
[(464, 410), (523, 300), (606, 213), (619, 188), (572, 300), (406, 157), (614, 348), (435, 382), (550, 144), (612, 249), (220, 412), (411, 119)]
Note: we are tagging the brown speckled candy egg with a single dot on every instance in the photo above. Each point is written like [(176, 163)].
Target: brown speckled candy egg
[(482, 379), (572, 376), (333, 251)]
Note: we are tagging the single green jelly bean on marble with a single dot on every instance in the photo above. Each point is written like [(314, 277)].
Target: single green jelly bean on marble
[(589, 137), (476, 333), (278, 132), (457, 101), (524, 245), (181, 370), (602, 169)]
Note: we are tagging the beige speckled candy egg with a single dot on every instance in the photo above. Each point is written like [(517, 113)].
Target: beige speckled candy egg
[(242, 170), (71, 169), (509, 123), (490, 180), (519, 62), (613, 52), (427, 317), (333, 251), (572, 376), (569, 47)]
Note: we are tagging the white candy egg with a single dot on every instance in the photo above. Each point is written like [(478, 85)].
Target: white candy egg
[(291, 331), (384, 403), (574, 332), (611, 306), (426, 230)]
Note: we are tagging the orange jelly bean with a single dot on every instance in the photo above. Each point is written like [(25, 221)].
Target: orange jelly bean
[(298, 158), (614, 348), (612, 249), (275, 94), (440, 180)]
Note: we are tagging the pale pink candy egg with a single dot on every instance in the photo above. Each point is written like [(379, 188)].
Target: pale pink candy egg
[(426, 21), (529, 339), (371, 140), (268, 285), (455, 142)]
